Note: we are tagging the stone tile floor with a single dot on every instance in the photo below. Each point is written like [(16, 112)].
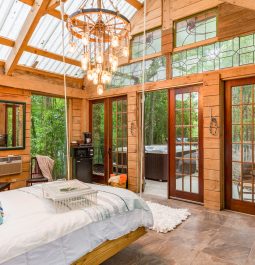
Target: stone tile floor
[(157, 188), (206, 238)]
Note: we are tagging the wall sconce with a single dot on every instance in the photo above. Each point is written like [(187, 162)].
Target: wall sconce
[(132, 128)]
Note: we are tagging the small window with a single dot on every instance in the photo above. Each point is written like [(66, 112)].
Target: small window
[(153, 43), (197, 28)]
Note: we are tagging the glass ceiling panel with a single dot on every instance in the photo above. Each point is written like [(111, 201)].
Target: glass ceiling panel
[(49, 65), (4, 52), (13, 15), (48, 36)]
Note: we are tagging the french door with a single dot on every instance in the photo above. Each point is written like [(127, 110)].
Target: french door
[(185, 145), (240, 145), (108, 125)]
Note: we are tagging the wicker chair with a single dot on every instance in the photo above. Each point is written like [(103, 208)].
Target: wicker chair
[(36, 173)]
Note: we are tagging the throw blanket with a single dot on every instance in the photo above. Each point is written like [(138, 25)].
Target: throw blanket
[(46, 165), (31, 221)]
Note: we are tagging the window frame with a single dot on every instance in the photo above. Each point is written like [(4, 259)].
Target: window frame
[(140, 34), (198, 43)]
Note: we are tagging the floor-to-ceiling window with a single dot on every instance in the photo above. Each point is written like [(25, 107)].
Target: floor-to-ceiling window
[(156, 142), (48, 131)]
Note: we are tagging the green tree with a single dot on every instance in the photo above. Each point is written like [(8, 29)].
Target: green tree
[(48, 131)]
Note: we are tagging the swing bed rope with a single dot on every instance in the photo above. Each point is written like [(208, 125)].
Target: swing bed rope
[(62, 8), (142, 149)]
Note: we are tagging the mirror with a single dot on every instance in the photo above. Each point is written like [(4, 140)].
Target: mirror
[(12, 125)]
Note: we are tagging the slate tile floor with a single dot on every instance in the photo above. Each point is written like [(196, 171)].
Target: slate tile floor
[(206, 238)]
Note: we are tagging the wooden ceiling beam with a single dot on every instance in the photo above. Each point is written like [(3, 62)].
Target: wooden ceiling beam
[(28, 2), (38, 85), (37, 11), (55, 13), (7, 42), (136, 4), (52, 55), (55, 3), (250, 4), (48, 74)]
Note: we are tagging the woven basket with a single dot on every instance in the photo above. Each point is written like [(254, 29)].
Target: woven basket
[(118, 185)]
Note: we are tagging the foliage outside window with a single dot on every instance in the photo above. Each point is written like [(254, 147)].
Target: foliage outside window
[(98, 132), (48, 131), (197, 28), (156, 118), (153, 43), (235, 52), (132, 74)]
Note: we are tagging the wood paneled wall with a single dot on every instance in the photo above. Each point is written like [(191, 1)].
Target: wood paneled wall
[(153, 17), (78, 118), (235, 21), (133, 157), (213, 95), (13, 94)]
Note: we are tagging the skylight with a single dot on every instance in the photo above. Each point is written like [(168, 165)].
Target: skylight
[(49, 65), (4, 52), (13, 15)]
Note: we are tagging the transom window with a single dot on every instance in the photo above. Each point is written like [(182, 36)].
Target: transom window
[(132, 74), (197, 28), (153, 43)]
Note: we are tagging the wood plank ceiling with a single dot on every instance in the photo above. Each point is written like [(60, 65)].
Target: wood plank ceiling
[(38, 10)]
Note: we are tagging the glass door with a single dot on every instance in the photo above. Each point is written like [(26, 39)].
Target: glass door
[(108, 125), (186, 176), (118, 137), (239, 145), (98, 140)]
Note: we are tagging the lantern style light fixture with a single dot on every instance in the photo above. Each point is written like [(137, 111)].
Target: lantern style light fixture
[(104, 35)]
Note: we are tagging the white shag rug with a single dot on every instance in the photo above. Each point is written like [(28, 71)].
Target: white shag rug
[(165, 217)]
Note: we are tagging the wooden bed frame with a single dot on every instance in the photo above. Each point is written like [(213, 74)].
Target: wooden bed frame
[(110, 248)]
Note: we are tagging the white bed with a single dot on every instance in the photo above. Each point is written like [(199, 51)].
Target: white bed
[(33, 233)]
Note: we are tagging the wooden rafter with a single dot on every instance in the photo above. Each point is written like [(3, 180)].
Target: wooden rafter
[(35, 50), (52, 55), (37, 84), (135, 4), (250, 4), (55, 13), (38, 10), (28, 2), (48, 74), (7, 42), (55, 3)]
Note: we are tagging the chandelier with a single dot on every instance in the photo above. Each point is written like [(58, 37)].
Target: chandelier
[(104, 35)]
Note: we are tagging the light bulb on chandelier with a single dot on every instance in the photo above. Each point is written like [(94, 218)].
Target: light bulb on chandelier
[(115, 41), (100, 58), (90, 75), (85, 38), (95, 80), (100, 89), (85, 61), (125, 51)]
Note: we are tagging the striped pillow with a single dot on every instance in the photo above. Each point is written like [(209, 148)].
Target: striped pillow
[(1, 214)]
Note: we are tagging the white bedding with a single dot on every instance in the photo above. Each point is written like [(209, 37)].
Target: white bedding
[(33, 233)]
